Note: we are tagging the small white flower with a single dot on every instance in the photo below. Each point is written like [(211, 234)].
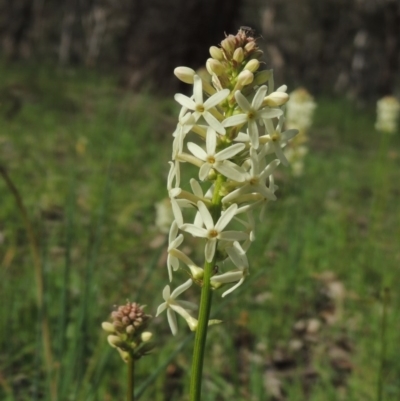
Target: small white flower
[(180, 307), (239, 258), (173, 175), (214, 232), (217, 161), (252, 114), (254, 180), (203, 109), (185, 124), (277, 139), (174, 255), (173, 242)]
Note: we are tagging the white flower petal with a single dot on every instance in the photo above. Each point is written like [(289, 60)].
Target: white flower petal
[(253, 133), (233, 288), (177, 212), (185, 101), (226, 217), (216, 99), (233, 235), (211, 141), (228, 277), (182, 288), (259, 97), (195, 231), (242, 101), (172, 321), (214, 123), (238, 119), (230, 170), (227, 153), (204, 170), (197, 90), (209, 250), (161, 308), (173, 232), (270, 113), (196, 188), (205, 215), (279, 153), (166, 293), (197, 151)]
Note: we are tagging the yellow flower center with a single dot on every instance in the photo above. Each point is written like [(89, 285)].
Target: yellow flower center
[(213, 233), (276, 137), (200, 108), (211, 159), (251, 114)]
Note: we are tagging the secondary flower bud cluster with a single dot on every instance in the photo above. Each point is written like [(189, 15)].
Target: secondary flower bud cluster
[(127, 332), (238, 117), (299, 113), (388, 111)]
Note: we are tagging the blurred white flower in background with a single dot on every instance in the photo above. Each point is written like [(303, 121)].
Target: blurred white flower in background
[(300, 110), (387, 114), (164, 215), (299, 113)]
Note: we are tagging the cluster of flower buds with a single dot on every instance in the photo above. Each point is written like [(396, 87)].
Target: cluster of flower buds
[(387, 114), (239, 116), (299, 113), (127, 332)]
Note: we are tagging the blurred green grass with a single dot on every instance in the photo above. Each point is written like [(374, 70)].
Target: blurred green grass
[(90, 161)]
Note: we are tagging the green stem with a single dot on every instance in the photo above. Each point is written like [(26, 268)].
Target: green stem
[(386, 295), (205, 307), (37, 266), (131, 372)]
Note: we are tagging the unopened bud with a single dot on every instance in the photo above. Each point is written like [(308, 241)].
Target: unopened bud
[(114, 341), (216, 53), (238, 55), (197, 272), (250, 46), (229, 44), (253, 65), (275, 99), (215, 67), (185, 74), (146, 336), (245, 78), (108, 327)]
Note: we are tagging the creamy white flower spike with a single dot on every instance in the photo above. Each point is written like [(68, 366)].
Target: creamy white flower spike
[(227, 136)]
